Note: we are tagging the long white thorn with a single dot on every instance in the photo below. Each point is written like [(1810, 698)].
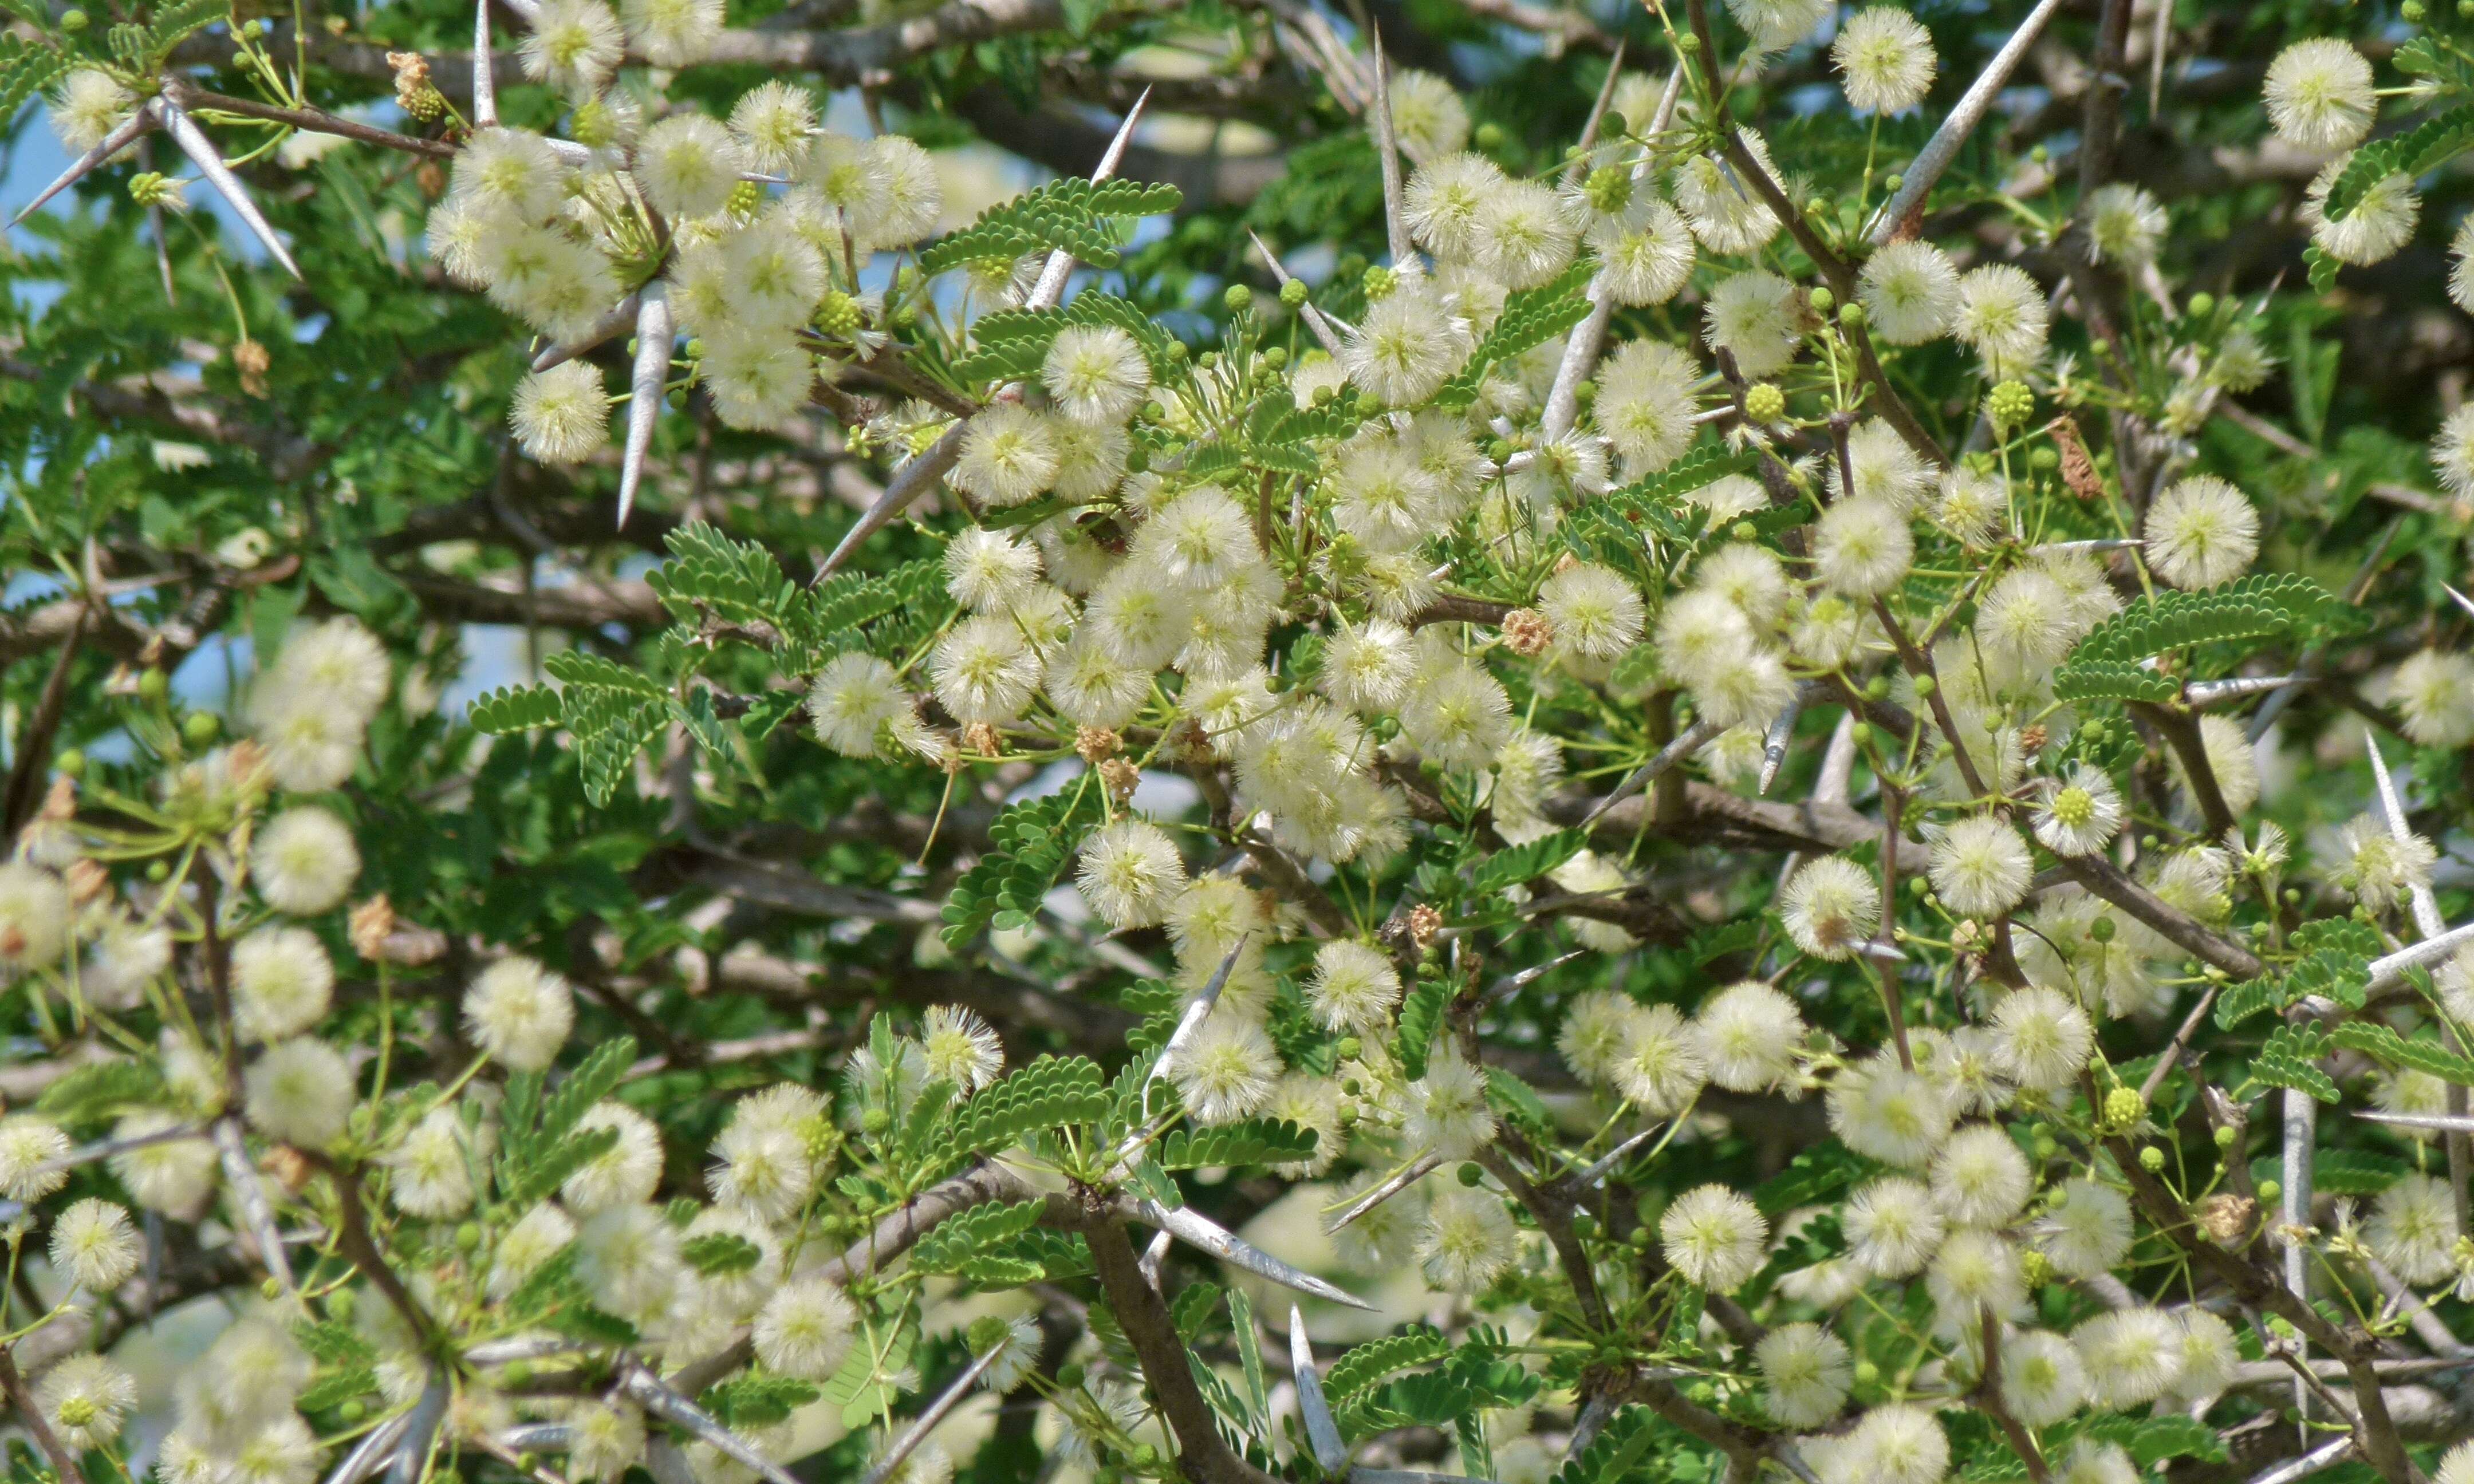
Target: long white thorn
[(250, 1192), (1051, 288), (421, 1429), (2449, 1123), (909, 483), (1387, 150), (2205, 693), (372, 1452), (1411, 1477), (650, 1393), (1204, 1234), (2463, 600), (201, 150), (644, 390), (926, 1422), (1589, 336), (1603, 1165), (1418, 1170), (485, 83), (616, 318), (1322, 1431), (1943, 147), (2426, 908), (1695, 737), (2389, 971), (2310, 1463), (122, 135), (1153, 1259), (1781, 733), (1314, 317)]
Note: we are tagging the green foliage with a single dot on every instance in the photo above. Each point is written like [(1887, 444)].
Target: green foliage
[(721, 1253), (2334, 962), (1421, 1014), (1246, 1141), (99, 1090), (1530, 318), (2261, 606), (2356, 1172), (2285, 1060), (2418, 152), (2421, 1053), (1363, 1365), (1068, 216), (967, 1234), (1029, 848), (1506, 869), (1050, 1092), (751, 1402)]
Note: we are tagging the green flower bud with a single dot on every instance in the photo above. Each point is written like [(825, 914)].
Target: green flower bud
[(1764, 402), (837, 313), (2225, 1137), (1852, 316), (1823, 300), (1471, 1175), (2102, 929), (2269, 1189), (73, 20), (71, 762), (1070, 1375), (1239, 298), (1276, 357), (1926, 685), (1891, 183), (1609, 188), (1292, 292), (198, 727), (2202, 304), (1348, 1048), (2010, 404), (1381, 281), (2151, 1159), (152, 684)]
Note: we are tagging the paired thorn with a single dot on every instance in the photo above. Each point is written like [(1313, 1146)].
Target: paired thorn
[(1418, 1169), (2426, 907), (644, 390), (617, 316), (1322, 1433), (2448, 1123), (1944, 145), (1603, 1165), (1204, 1234), (926, 1422), (1050, 290), (1695, 737), (1782, 733), (421, 1429), (485, 85), (122, 135), (242, 1177), (649, 1392), (2206, 693), (909, 483), (372, 1452), (201, 150), (1387, 150)]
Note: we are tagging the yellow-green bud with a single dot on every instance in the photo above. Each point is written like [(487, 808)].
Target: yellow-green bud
[(1379, 283), (2123, 1108), (1609, 188), (1764, 402), (746, 198), (1238, 297), (837, 313), (2010, 404), (2270, 1191), (1852, 316), (2151, 1159), (1292, 292), (1823, 300), (150, 188)]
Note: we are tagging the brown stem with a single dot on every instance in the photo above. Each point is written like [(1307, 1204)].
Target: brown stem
[(1921, 666), (1201, 1453), (317, 121), (1988, 1396), (1554, 1218), (2254, 1287), (21, 1397), (34, 743), (1893, 801), (2102, 878), (2181, 732), (1841, 277), (362, 1247)]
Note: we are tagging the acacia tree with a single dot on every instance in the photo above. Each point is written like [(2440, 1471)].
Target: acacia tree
[(1522, 742)]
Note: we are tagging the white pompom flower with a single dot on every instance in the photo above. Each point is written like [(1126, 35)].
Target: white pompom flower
[(520, 1013), (2434, 691), (575, 46), (2320, 96), (1226, 1069), (283, 983), (1807, 1373), (2201, 533), (305, 861), (1909, 291), (1980, 1178), (1469, 1241), (2043, 1380), (1429, 119), (1354, 987), (95, 1246), (1831, 906), (561, 415), (2002, 316), (1980, 867), (1748, 1034), (1448, 1115), (2125, 224), (673, 32), (1893, 1227), (1714, 1237), (2082, 814), (86, 1399), (2381, 222), (1884, 59), (300, 1092), (2087, 1231), (1097, 373), (2412, 1228)]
